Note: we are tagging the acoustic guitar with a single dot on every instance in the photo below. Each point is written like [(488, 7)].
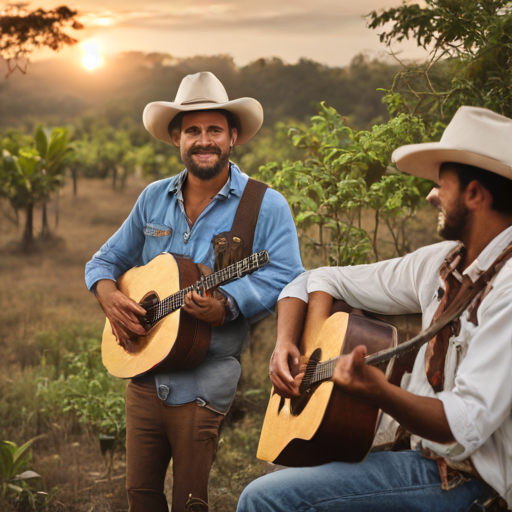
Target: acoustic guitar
[(175, 339), (323, 424)]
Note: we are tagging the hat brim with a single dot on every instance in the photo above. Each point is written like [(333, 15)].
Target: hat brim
[(248, 112), (424, 160)]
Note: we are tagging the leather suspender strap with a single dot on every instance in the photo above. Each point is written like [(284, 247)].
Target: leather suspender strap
[(437, 347), (235, 245), (246, 216), (468, 292)]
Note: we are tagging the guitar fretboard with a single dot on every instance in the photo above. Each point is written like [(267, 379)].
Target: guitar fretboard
[(235, 271), (318, 372)]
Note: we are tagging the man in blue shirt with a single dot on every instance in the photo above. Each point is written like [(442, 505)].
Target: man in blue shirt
[(177, 413)]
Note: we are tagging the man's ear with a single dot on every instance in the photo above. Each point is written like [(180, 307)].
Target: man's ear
[(477, 196), (234, 136), (176, 138)]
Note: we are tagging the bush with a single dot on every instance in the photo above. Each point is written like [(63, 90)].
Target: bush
[(71, 386)]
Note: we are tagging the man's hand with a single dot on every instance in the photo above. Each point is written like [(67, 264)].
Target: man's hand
[(284, 369), (420, 415), (354, 377), (122, 312), (207, 309)]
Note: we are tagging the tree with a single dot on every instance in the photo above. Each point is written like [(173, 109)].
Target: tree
[(22, 32), (31, 172), (341, 188), (344, 177), (470, 61), (54, 151)]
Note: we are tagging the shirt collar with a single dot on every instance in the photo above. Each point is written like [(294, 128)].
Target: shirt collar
[(232, 186), (489, 254)]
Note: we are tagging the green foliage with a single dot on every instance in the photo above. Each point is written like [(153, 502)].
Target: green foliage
[(73, 380), (470, 61), (15, 479), (342, 181), (103, 150), (31, 169), (343, 176), (68, 386), (269, 144)]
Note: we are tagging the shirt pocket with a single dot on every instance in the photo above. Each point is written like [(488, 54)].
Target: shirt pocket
[(157, 239)]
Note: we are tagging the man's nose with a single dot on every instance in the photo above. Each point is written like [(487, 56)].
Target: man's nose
[(433, 197), (204, 138)]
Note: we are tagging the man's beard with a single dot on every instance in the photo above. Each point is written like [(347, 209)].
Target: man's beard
[(453, 225), (207, 171)]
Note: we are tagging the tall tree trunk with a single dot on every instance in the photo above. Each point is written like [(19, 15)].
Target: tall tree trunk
[(124, 176), (74, 174), (28, 235), (57, 212), (114, 177), (45, 232)]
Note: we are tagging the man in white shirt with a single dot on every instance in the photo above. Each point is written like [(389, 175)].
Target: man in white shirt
[(465, 425)]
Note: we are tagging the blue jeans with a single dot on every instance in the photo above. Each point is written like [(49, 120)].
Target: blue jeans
[(383, 482)]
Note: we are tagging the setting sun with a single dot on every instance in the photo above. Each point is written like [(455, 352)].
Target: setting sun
[(92, 58)]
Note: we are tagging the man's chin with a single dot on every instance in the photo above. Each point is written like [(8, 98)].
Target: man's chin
[(205, 172)]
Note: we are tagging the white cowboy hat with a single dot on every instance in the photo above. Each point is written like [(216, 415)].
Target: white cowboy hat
[(203, 91), (475, 136)]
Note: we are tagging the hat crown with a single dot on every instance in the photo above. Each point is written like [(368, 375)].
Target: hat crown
[(480, 131), (475, 136), (203, 87)]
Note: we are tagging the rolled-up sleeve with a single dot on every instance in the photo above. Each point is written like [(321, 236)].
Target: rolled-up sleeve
[(482, 396), (276, 233), (297, 289), (394, 287)]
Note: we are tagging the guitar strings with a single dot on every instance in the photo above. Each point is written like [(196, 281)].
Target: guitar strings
[(320, 371), (177, 300)]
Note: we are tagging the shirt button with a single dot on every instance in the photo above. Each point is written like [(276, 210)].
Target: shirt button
[(186, 236)]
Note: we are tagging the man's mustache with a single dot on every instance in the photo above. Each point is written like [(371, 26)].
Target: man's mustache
[(205, 149)]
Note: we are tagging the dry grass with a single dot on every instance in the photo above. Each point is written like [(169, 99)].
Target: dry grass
[(45, 291)]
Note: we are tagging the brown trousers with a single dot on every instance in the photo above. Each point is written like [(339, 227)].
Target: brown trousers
[(155, 432)]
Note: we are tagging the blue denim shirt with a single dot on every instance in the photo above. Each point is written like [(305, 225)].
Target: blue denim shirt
[(157, 224)]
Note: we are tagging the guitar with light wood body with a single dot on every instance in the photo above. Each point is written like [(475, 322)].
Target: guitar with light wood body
[(323, 424), (175, 338)]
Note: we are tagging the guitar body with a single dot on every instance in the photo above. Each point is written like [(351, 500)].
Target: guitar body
[(323, 424), (178, 340)]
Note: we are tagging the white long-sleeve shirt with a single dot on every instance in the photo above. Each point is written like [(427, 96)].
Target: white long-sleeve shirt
[(477, 395)]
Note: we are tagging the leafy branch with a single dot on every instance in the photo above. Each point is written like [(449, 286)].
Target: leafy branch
[(22, 32)]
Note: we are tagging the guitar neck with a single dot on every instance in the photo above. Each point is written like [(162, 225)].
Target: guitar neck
[(325, 370), (205, 284)]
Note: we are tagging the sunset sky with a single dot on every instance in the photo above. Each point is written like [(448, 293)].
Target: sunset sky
[(328, 31)]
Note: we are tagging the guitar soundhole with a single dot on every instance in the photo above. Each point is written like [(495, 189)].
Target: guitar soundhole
[(148, 302), (137, 344), (307, 386)]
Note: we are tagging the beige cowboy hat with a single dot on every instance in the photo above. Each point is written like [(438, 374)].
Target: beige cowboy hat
[(203, 91), (475, 136)]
